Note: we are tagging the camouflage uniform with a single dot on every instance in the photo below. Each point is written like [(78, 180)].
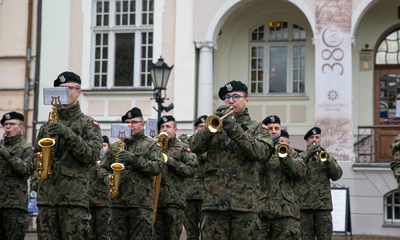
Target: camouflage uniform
[(63, 199), (395, 163), (99, 206), (14, 186), (131, 210), (194, 196), (280, 214), (181, 164), (315, 197), (231, 179)]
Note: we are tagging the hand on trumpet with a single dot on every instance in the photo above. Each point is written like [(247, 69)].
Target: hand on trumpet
[(275, 139), (221, 110), (312, 150)]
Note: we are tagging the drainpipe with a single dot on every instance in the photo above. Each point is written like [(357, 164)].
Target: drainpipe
[(27, 67), (37, 71)]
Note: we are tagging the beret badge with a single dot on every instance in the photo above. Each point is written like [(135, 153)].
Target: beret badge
[(165, 119), (202, 120), (62, 78), (229, 87), (129, 115), (314, 131), (272, 119), (7, 116)]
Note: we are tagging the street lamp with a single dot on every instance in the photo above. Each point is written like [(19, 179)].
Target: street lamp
[(160, 74)]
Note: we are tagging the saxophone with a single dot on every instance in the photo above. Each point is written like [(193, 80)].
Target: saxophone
[(162, 139), (45, 157), (115, 178)]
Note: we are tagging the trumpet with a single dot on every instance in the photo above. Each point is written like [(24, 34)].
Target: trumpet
[(282, 149), (117, 167), (214, 123), (322, 155)]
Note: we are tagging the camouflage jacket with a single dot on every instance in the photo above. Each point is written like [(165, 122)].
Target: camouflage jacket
[(395, 163), (181, 164), (231, 175), (98, 191), (277, 196), (195, 186), (73, 153), (315, 189), (15, 173), (136, 186)]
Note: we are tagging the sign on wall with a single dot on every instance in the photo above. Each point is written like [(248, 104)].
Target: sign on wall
[(333, 82)]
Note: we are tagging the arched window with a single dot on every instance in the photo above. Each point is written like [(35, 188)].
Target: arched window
[(389, 50), (277, 58), (392, 208), (122, 43)]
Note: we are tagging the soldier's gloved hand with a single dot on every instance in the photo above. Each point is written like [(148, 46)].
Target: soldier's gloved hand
[(106, 180), (312, 151), (221, 110), (126, 157), (228, 124), (275, 139), (57, 129), (4, 152), (183, 137)]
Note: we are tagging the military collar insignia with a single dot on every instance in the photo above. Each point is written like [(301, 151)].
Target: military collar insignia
[(314, 131), (8, 116), (165, 119), (62, 78), (202, 120), (272, 118), (229, 87), (129, 115)]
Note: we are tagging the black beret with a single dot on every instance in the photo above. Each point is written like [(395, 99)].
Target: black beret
[(201, 119), (164, 119), (11, 115), (133, 113), (105, 139), (232, 86), (312, 131), (271, 119), (284, 134), (67, 77)]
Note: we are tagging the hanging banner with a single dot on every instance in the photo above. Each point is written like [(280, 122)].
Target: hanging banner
[(333, 82)]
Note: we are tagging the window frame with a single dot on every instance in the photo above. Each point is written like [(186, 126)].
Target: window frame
[(392, 221), (267, 44), (112, 30)]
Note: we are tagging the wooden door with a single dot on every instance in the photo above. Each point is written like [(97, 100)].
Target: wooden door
[(386, 98)]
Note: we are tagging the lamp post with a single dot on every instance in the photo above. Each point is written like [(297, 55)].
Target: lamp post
[(160, 74)]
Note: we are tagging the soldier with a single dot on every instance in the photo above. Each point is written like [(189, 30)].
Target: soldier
[(231, 182), (194, 191), (15, 168), (131, 216), (181, 164), (280, 214), (315, 193), (99, 201), (63, 199), (395, 163)]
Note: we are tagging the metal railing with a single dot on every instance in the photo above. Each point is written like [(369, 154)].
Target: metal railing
[(368, 142)]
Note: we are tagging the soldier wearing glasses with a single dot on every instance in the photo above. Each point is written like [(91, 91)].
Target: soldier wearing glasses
[(131, 210), (63, 199), (231, 178), (15, 168)]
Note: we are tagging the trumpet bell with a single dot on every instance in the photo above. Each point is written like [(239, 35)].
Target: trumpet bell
[(282, 150), (213, 123), (323, 156)]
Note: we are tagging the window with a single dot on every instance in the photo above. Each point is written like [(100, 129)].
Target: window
[(389, 49), (277, 58), (392, 208), (123, 43)]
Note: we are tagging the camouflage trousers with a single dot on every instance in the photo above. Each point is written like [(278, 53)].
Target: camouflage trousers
[(316, 223), (13, 223), (131, 223), (63, 222), (193, 218), (99, 224), (169, 223), (228, 224), (280, 229)]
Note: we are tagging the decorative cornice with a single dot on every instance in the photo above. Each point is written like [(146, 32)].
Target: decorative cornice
[(209, 44)]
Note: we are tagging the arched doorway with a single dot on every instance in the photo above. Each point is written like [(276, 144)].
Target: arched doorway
[(386, 92)]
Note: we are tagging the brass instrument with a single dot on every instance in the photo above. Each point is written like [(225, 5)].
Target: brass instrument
[(117, 167), (282, 149), (214, 123), (45, 157), (322, 155), (162, 139)]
